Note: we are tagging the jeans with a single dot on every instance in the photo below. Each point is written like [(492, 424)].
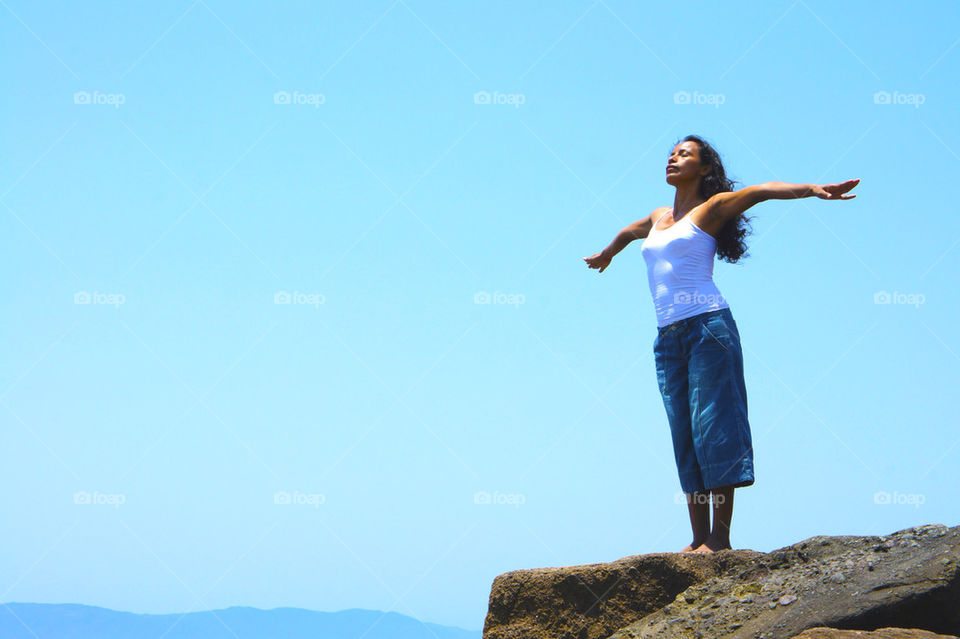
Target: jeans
[(700, 374)]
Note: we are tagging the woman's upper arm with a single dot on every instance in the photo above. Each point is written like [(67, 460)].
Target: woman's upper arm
[(729, 204)]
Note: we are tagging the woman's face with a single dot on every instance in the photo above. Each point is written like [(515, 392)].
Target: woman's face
[(683, 163)]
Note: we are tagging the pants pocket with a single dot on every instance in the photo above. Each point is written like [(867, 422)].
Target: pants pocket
[(715, 330)]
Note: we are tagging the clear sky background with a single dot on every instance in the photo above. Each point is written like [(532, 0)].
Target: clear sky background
[(443, 336)]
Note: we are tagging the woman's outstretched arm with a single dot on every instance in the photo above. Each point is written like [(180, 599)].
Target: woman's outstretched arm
[(785, 191), (729, 204), (636, 231)]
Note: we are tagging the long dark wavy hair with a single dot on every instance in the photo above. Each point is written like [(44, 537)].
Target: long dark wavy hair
[(730, 240)]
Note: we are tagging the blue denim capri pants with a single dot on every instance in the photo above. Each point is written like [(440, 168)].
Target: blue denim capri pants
[(700, 374)]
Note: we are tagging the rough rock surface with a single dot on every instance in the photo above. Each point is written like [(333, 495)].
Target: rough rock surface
[(882, 633), (908, 580), (594, 600)]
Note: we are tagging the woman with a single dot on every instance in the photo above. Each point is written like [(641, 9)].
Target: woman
[(697, 350)]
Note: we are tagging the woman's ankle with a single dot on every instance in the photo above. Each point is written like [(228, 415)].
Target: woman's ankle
[(722, 538)]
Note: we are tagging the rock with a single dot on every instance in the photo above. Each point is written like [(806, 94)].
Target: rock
[(908, 581), (594, 600), (908, 586), (882, 633)]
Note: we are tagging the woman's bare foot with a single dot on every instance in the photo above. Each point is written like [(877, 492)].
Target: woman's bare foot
[(713, 544), (694, 544)]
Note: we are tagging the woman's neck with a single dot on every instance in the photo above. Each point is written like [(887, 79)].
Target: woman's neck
[(686, 198)]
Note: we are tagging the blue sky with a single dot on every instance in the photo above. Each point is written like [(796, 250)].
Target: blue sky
[(332, 293)]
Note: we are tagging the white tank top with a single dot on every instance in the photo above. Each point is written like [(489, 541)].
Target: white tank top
[(680, 271)]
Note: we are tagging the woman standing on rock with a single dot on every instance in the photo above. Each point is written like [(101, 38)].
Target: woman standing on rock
[(697, 350)]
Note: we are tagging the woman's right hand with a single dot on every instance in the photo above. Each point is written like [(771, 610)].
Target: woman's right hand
[(598, 260)]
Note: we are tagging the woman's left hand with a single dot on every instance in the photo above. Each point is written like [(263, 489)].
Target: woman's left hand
[(835, 191)]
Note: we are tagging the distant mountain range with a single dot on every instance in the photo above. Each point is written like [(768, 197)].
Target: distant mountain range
[(76, 621)]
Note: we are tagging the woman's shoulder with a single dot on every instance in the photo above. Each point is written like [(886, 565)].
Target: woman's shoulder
[(659, 212)]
